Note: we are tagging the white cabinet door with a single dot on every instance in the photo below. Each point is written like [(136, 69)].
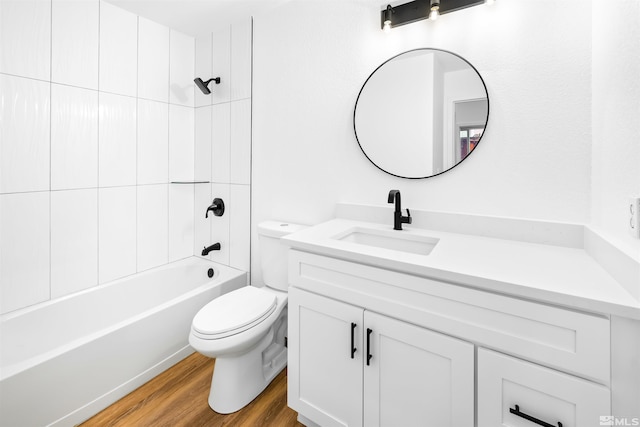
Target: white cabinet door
[(416, 377), (325, 376), (515, 393)]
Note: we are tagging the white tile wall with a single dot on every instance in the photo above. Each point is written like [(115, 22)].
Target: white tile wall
[(239, 230), (203, 68), (203, 144), (74, 42), (221, 142), (230, 149), (153, 226), (85, 162), (220, 231), (24, 134), (117, 140), (181, 221), (116, 232), (25, 38), (153, 142), (74, 241), (241, 36), (202, 225), (240, 153), (182, 69), (221, 63), (74, 137), (118, 50), (153, 61), (181, 143), (24, 250)]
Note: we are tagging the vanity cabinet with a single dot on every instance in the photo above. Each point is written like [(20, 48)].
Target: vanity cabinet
[(352, 367), (441, 354)]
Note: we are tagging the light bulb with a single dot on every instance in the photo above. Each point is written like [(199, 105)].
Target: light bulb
[(435, 10), (386, 27)]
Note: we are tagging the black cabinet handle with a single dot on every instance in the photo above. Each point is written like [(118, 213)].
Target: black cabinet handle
[(530, 418), (369, 356), (353, 345)]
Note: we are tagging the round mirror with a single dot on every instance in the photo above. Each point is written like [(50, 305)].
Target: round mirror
[(421, 113)]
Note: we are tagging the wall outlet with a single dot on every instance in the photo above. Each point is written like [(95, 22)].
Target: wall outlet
[(634, 217)]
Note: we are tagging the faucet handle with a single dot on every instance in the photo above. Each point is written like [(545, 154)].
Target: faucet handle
[(407, 219), (217, 207)]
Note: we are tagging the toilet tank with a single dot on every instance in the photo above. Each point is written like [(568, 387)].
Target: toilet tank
[(273, 254)]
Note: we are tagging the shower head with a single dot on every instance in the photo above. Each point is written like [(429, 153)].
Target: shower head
[(203, 85)]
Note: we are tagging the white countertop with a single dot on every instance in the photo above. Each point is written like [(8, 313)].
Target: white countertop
[(558, 275)]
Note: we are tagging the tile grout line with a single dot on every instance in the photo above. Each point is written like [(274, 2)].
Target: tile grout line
[(211, 133), (168, 175), (230, 139), (50, 127), (97, 283), (229, 144), (136, 127), (195, 252), (97, 90), (250, 147), (94, 89)]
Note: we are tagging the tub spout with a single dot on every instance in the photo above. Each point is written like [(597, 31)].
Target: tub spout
[(214, 247)]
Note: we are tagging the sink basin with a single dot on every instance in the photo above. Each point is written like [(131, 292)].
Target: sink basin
[(397, 240)]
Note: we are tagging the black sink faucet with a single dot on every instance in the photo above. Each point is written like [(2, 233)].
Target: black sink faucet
[(398, 219)]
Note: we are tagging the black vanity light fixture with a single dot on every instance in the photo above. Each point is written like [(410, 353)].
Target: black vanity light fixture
[(418, 10), (204, 86), (386, 19)]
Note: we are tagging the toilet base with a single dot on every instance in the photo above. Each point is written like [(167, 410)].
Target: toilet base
[(239, 379)]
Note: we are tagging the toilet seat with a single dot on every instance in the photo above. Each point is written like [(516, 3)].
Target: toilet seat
[(233, 313)]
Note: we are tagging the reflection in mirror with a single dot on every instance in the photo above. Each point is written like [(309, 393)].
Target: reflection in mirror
[(421, 113), (470, 118)]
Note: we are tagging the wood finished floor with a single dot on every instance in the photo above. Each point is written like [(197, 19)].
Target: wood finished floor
[(178, 397)]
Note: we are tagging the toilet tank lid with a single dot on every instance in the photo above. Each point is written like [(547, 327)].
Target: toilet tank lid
[(278, 228)]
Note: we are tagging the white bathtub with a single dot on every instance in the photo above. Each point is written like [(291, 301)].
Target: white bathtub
[(64, 360)]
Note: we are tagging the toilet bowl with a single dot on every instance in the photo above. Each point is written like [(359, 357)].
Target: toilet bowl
[(245, 330)]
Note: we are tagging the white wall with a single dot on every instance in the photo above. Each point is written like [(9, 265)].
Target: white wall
[(223, 143), (311, 58), (97, 113), (616, 118)]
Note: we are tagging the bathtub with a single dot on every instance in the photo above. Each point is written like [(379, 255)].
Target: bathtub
[(62, 361)]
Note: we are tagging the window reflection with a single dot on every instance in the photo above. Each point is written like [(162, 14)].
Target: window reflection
[(469, 138)]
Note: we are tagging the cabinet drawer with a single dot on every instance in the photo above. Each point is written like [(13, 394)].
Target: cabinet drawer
[(511, 390), (560, 338)]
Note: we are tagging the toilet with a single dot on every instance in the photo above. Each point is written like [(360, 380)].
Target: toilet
[(245, 330)]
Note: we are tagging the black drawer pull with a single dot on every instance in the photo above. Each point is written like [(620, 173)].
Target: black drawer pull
[(530, 418), (353, 345), (369, 356)]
